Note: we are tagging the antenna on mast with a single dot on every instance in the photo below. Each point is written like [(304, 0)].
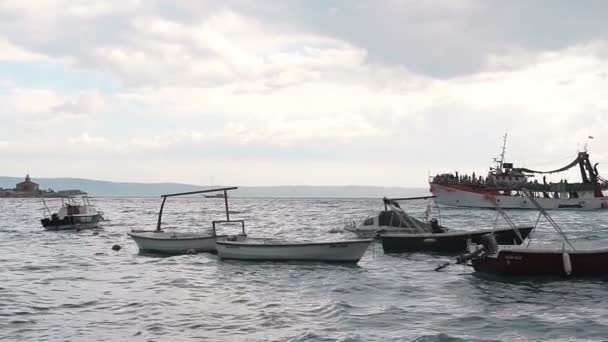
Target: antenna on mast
[(502, 153), (587, 143)]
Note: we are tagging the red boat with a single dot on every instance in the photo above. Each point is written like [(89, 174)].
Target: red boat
[(522, 261), (565, 260)]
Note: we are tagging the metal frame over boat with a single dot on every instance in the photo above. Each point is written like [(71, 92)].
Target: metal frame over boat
[(174, 243), (72, 215), (401, 233), (529, 260)]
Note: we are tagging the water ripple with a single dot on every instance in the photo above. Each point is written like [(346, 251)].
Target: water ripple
[(73, 286)]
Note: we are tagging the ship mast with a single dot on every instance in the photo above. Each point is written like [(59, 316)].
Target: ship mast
[(502, 154)]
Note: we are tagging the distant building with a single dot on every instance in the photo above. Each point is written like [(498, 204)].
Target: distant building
[(27, 186)]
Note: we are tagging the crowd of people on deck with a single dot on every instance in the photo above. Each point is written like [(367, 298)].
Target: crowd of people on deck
[(457, 178)]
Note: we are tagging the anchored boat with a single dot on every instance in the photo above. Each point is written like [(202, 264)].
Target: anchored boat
[(349, 251), (73, 215), (504, 184), (565, 260), (399, 232), (173, 243)]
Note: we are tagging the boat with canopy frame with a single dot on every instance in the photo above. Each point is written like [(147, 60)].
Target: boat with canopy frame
[(72, 215), (564, 259), (400, 232), (173, 243)]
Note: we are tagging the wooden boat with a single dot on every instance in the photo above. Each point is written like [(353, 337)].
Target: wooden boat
[(400, 232), (72, 215), (349, 251), (567, 260), (528, 261), (173, 243)]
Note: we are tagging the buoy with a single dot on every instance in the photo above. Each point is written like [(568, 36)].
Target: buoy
[(116, 247), (95, 233), (191, 251), (567, 264)]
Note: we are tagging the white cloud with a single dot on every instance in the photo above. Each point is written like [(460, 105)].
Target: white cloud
[(227, 79), (11, 52)]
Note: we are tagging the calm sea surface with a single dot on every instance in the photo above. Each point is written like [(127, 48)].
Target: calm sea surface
[(68, 286)]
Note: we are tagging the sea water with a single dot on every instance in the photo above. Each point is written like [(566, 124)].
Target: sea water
[(71, 286)]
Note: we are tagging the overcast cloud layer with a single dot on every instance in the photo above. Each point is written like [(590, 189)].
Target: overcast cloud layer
[(298, 92)]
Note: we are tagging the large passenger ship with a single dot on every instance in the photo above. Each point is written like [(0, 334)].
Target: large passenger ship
[(504, 183)]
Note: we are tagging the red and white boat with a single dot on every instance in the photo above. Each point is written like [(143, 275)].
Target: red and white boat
[(503, 186)]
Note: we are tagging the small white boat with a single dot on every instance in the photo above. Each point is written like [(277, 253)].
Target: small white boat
[(395, 221), (72, 215), (174, 243), (349, 251)]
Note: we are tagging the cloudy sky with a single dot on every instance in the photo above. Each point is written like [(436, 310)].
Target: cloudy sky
[(298, 92)]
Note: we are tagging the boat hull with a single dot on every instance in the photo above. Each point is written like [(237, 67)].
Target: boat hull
[(451, 242), (175, 243), (530, 262), (449, 196), (72, 222), (374, 233), (335, 251)]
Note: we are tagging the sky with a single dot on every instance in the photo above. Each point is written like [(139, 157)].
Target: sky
[(298, 92)]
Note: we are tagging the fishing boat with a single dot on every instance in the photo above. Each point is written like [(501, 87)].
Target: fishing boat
[(174, 243), (389, 222), (400, 232), (491, 257), (73, 215), (214, 196), (504, 184), (349, 251)]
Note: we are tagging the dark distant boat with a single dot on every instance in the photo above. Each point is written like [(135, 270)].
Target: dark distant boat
[(72, 215), (215, 196), (400, 232), (565, 260)]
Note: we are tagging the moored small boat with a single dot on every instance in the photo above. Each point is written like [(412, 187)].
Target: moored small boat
[(73, 215), (538, 261), (532, 260), (349, 251), (175, 243), (449, 242), (399, 232)]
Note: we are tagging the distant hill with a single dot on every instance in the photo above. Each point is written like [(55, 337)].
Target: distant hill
[(129, 189)]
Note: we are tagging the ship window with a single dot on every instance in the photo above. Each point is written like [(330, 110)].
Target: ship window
[(369, 222)]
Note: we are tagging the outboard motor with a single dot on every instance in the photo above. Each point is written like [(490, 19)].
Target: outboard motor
[(435, 226), (489, 243)]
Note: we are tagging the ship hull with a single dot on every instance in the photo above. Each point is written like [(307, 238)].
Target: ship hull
[(449, 196)]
